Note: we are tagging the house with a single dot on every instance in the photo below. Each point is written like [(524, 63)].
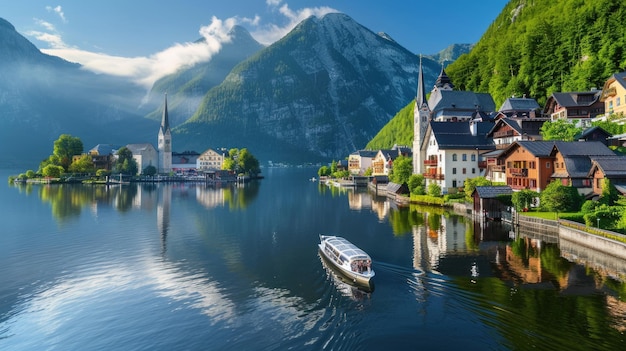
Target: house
[(519, 108), (103, 156), (579, 106), (486, 202), (360, 161), (612, 168), (528, 164), (506, 130), (144, 155), (594, 134), (397, 191), (184, 162), (614, 94), (210, 160), (452, 152), (572, 162), (383, 161)]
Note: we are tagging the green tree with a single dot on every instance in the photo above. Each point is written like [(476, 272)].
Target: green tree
[(82, 165), (52, 171), (523, 198), (125, 163), (248, 164), (560, 198), (609, 193), (416, 184), (470, 184), (149, 171), (559, 130), (434, 189), (401, 170), (65, 148), (333, 167), (323, 171)]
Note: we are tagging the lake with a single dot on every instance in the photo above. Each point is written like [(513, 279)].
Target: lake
[(236, 267)]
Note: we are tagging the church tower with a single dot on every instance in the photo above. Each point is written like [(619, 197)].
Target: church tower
[(165, 143), (421, 118)]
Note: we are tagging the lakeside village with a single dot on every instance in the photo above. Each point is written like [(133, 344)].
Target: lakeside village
[(562, 162)]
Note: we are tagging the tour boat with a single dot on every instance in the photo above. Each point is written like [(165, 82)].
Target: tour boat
[(353, 262)]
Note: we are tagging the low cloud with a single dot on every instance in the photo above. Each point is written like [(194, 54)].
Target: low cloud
[(145, 70)]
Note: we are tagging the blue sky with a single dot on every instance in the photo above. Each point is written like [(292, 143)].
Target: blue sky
[(146, 39)]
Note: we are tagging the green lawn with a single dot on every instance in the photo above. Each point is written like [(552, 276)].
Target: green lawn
[(548, 215)]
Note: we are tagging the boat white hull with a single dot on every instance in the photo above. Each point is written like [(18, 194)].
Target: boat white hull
[(356, 277)]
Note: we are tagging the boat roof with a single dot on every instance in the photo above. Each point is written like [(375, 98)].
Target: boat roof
[(347, 248)]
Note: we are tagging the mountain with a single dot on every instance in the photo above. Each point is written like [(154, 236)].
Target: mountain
[(535, 48), (321, 92), (42, 97), (186, 87)]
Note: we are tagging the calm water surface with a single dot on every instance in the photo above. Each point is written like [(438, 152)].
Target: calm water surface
[(195, 267)]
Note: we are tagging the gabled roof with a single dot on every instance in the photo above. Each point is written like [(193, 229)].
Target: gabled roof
[(610, 166), (105, 149), (536, 148), (491, 192), (137, 149), (581, 148), (576, 166), (452, 100), (579, 98), (523, 104), (589, 132), (365, 153), (457, 135)]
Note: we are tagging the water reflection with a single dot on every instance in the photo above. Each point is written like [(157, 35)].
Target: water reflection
[(69, 200)]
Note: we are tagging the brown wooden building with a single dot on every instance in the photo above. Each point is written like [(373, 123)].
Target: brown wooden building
[(528, 164)]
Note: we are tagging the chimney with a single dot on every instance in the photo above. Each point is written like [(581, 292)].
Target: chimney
[(473, 127)]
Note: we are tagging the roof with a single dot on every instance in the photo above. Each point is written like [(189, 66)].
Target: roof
[(138, 148), (522, 125), (573, 99), (463, 100), (490, 192), (519, 105), (589, 132), (536, 148), (610, 166), (577, 167), (365, 153), (105, 149), (396, 188), (457, 135), (581, 148), (347, 248)]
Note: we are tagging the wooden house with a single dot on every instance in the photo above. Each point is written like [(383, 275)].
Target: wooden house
[(572, 162), (486, 202), (612, 168), (528, 164)]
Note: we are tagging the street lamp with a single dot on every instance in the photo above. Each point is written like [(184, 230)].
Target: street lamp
[(598, 219)]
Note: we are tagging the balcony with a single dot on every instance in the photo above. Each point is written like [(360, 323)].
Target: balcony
[(430, 162), (503, 134), (482, 164), (434, 176), (498, 168), (519, 172)]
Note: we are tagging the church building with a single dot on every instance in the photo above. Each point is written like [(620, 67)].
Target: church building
[(165, 143)]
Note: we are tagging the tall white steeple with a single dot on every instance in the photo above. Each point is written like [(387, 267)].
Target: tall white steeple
[(421, 118), (165, 143)]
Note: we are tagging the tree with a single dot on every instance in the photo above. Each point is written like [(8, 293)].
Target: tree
[(559, 130), (324, 171), (434, 189), (609, 193), (241, 162), (523, 198), (416, 184), (149, 171), (471, 184), (401, 170), (65, 148), (82, 165), (52, 171), (560, 198), (125, 162)]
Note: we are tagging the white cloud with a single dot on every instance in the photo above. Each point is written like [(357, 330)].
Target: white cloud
[(58, 10), (145, 70), (271, 33)]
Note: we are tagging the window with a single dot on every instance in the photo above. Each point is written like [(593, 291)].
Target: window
[(547, 164), (454, 170), (453, 157), (454, 183), (473, 158), (473, 170), (464, 170), (464, 157), (618, 102)]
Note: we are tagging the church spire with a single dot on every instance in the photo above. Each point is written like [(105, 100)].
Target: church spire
[(420, 99), (443, 81), (165, 121)]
